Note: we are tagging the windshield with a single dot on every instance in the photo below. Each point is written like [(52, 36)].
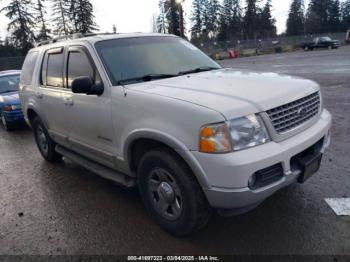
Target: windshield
[(324, 39), (9, 83), (151, 58)]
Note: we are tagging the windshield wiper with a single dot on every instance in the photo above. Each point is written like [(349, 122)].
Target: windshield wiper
[(198, 70), (145, 78)]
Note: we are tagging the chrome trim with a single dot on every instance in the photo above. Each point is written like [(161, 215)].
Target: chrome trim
[(314, 99)]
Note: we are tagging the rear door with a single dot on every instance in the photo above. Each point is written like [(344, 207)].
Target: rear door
[(49, 95), (91, 127)]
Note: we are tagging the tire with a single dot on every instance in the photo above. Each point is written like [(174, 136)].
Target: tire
[(306, 48), (171, 194), (44, 142), (7, 126)]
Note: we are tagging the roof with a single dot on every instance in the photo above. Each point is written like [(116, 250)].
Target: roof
[(10, 72), (93, 38)]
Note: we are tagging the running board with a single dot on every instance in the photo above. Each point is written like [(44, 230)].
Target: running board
[(96, 168)]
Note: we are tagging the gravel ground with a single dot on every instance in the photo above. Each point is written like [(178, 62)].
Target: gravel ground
[(62, 209)]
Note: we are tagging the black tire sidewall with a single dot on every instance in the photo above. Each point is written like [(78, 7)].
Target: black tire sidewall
[(186, 223), (51, 156)]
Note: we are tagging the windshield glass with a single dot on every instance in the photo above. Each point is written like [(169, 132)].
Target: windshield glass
[(326, 39), (151, 58), (9, 83)]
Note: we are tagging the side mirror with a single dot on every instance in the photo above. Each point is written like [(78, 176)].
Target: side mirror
[(85, 85)]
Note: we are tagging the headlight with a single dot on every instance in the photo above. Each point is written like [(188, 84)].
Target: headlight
[(248, 132), (215, 139)]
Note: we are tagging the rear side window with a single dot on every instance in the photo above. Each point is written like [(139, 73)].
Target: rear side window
[(78, 65), (54, 70), (28, 68)]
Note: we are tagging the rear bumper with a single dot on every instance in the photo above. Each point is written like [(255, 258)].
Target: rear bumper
[(13, 116), (228, 174)]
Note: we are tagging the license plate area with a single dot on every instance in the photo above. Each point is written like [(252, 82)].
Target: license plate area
[(309, 167), (308, 162)]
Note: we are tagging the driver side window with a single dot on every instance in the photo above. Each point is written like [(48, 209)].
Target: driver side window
[(78, 65)]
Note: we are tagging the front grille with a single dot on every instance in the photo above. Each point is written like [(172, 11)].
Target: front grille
[(290, 116)]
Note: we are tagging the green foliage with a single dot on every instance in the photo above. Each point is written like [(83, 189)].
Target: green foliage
[(81, 12), (44, 31), (22, 23), (296, 19), (62, 17), (345, 12)]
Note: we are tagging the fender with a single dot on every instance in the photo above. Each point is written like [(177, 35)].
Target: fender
[(171, 142)]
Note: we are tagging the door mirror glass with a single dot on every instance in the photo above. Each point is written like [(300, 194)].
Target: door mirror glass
[(85, 85)]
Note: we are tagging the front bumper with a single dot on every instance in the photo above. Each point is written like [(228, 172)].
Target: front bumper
[(13, 116), (228, 174)]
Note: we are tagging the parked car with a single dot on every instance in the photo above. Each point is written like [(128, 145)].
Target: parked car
[(321, 42), (10, 105), (153, 111)]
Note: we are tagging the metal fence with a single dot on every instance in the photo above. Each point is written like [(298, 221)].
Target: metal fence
[(211, 46), (11, 63)]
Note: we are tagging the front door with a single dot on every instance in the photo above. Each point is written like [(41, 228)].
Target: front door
[(91, 128)]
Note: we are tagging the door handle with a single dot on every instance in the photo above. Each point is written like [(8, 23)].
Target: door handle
[(68, 101), (39, 95)]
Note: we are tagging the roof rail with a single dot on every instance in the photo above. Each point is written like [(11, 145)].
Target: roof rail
[(68, 37)]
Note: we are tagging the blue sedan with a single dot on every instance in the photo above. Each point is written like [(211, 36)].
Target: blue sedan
[(10, 105)]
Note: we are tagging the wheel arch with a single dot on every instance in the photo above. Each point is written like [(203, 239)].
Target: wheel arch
[(141, 141)]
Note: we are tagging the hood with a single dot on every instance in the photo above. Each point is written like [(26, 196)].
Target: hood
[(232, 93), (11, 98)]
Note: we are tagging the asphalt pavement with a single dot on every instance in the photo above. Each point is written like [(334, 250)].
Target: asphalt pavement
[(63, 209)]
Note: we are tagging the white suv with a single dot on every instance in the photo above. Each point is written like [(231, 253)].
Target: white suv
[(153, 111)]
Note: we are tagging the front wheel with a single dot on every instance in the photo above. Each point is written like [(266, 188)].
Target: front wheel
[(171, 194), (44, 142), (7, 126)]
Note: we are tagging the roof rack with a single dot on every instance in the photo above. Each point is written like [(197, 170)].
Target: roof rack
[(68, 37)]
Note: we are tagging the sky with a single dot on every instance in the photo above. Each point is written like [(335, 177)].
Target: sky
[(128, 19)]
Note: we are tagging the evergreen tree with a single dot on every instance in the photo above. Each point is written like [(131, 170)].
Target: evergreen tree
[(251, 19), (266, 25), (196, 18), (334, 18), (81, 12), (346, 15), (295, 22), (317, 18), (40, 19), (173, 17), (22, 23), (211, 17), (62, 17), (231, 20), (162, 20)]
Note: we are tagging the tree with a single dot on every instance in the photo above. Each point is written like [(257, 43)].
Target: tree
[(82, 14), (22, 23), (40, 19), (334, 19), (296, 19), (266, 25), (162, 24), (317, 18), (345, 13), (62, 17), (251, 19), (230, 20), (173, 17), (197, 18), (211, 17)]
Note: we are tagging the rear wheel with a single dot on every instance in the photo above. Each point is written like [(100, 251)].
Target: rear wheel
[(7, 126), (171, 194), (44, 142), (306, 48)]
